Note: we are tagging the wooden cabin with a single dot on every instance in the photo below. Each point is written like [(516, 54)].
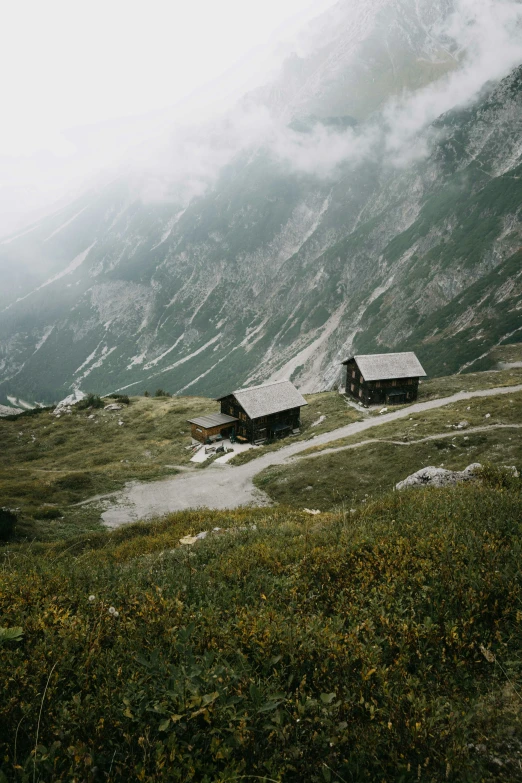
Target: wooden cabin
[(383, 378), (265, 412), (210, 427)]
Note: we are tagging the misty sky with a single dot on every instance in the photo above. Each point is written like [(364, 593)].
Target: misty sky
[(69, 65), (85, 84)]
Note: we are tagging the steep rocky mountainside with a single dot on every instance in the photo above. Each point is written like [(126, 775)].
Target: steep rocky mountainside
[(276, 271)]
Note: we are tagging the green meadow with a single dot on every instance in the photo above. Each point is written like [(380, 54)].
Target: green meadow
[(382, 645)]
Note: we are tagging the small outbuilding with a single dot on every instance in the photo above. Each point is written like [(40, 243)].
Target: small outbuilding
[(212, 427), (264, 412), (384, 378)]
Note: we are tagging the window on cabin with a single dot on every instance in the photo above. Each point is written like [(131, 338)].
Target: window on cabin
[(352, 387), (378, 385), (353, 373), (242, 416), (361, 379), (360, 392)]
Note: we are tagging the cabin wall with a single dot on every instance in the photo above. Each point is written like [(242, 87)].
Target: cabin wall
[(202, 433), (231, 407), (262, 427), (395, 391)]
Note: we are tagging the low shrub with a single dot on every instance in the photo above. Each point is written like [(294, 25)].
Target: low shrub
[(122, 398), (48, 513), (27, 413), (500, 477), (8, 520), (76, 482), (162, 393), (354, 647), (89, 401)]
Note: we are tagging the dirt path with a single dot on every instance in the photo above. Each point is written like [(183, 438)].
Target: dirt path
[(228, 486), (436, 436)]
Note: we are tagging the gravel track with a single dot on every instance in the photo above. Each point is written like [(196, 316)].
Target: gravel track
[(229, 486)]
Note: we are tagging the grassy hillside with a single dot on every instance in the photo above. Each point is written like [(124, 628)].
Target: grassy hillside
[(377, 646), (489, 378), (391, 453), (48, 464)]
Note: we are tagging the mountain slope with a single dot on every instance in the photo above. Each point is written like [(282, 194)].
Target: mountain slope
[(278, 269)]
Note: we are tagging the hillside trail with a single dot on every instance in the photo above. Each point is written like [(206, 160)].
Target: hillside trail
[(231, 486)]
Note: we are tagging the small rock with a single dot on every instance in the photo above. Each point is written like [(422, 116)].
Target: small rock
[(383, 410), (487, 416), (188, 540), (312, 511), (113, 407)]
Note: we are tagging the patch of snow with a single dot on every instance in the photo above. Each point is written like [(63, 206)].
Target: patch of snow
[(6, 410), (76, 396), (88, 360), (168, 231), (155, 361), (43, 338), (318, 421), (18, 403), (57, 231), (75, 263), (194, 353), (310, 351), (209, 370), (106, 352), (137, 360)]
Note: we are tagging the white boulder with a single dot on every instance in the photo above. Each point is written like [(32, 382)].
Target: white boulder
[(438, 477)]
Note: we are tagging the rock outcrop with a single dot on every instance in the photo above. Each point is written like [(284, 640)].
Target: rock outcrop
[(439, 477)]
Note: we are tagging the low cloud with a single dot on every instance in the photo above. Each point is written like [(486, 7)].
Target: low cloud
[(485, 38), (488, 33)]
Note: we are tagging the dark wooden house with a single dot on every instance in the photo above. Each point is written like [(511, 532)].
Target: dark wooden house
[(383, 378), (265, 412), (205, 428)]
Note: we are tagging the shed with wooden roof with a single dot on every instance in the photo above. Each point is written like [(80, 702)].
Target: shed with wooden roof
[(211, 426), (384, 378), (265, 412)]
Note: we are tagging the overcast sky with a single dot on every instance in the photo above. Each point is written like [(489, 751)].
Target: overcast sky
[(68, 64), (84, 82)]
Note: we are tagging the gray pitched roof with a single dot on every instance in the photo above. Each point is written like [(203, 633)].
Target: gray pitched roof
[(269, 398), (212, 420), (386, 366)]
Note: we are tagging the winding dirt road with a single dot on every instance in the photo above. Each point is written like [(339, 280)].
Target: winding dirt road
[(229, 486)]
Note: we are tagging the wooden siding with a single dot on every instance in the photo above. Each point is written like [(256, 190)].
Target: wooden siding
[(203, 433), (262, 428), (395, 391)]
